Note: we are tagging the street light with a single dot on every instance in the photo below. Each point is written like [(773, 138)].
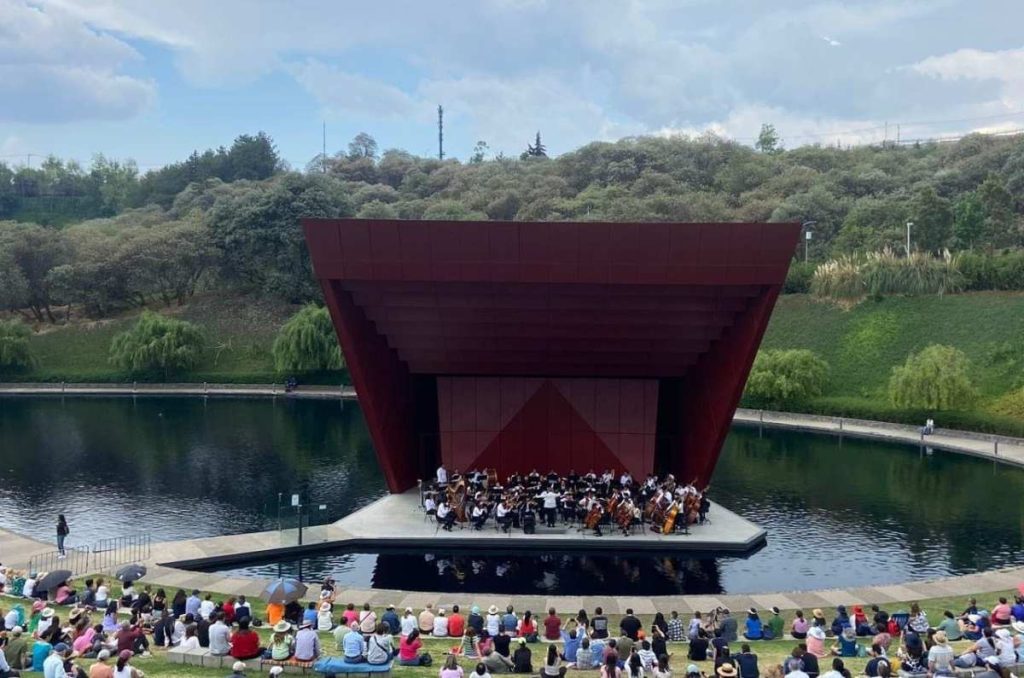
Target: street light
[(909, 224), (807, 235)]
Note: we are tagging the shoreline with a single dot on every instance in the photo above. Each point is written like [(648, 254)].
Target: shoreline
[(999, 449)]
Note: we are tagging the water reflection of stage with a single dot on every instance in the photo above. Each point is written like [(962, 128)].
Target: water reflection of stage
[(549, 573)]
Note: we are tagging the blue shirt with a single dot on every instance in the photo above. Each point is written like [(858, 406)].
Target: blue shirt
[(392, 620), (353, 644), (309, 616), (754, 631), (596, 652), (40, 651), (510, 622), (572, 645), (192, 605)]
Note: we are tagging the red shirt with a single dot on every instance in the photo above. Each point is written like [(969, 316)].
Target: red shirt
[(456, 625), (245, 645), (407, 650), (526, 628), (229, 613), (552, 627)]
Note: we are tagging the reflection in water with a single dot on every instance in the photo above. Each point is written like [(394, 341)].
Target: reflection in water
[(838, 513)]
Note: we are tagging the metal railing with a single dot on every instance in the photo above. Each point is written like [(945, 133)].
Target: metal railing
[(103, 556), (109, 553), (76, 560)]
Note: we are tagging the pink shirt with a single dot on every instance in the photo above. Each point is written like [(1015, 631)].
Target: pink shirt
[(350, 616), (1001, 613)]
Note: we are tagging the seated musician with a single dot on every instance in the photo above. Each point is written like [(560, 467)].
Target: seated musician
[(502, 515), (446, 515), (568, 506), (573, 478), (533, 478), (479, 515), (429, 505), (553, 477), (625, 480), (529, 518)]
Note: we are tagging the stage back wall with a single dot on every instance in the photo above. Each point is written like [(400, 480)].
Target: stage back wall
[(565, 346)]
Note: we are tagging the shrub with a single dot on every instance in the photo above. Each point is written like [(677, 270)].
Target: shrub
[(157, 342), (849, 279), (782, 377), (307, 343), (936, 379), (14, 350), (798, 278)]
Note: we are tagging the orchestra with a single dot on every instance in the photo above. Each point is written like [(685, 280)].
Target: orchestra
[(590, 502)]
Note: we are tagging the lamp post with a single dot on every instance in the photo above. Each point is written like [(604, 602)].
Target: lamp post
[(909, 224), (807, 235)]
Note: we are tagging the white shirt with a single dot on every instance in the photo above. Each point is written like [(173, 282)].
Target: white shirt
[(29, 588), (102, 593), (550, 499), (442, 475), (191, 643), (625, 479), (429, 504), (493, 624), (440, 626), (797, 674), (477, 512), (502, 511), (43, 625), (443, 510), (206, 608), (53, 666), (408, 623)]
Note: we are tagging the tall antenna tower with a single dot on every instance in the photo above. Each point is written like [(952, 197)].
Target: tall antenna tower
[(440, 132)]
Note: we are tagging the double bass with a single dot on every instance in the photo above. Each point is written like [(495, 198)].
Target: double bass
[(670, 519)]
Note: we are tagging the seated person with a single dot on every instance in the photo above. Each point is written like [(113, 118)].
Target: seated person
[(754, 630), (354, 648), (846, 645)]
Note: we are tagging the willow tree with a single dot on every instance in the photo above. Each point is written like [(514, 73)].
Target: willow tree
[(307, 343), (937, 378), (14, 349), (157, 342), (780, 377)]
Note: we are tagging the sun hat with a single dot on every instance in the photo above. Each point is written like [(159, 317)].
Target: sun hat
[(1018, 626), (281, 626), (75, 613), (776, 610), (390, 606), (325, 606), (38, 606), (726, 671), (752, 610), (1002, 633), (440, 612), (47, 613), (522, 641), (17, 631), (305, 624), (817, 612), (476, 609), (941, 638), (409, 610), (238, 667), (692, 668), (493, 609), (124, 655)]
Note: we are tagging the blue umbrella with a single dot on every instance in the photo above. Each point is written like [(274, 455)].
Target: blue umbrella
[(283, 591)]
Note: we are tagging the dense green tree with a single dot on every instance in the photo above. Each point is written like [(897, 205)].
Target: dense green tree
[(968, 220), (937, 378), (480, 150), (157, 344), (307, 343), (768, 139), (932, 217), (253, 157), (997, 204), (781, 377), (362, 146), (15, 353), (35, 251), (377, 210)]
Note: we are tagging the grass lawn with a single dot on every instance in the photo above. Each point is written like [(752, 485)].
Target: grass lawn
[(768, 652)]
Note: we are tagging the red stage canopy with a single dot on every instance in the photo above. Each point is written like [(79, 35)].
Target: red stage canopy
[(518, 345)]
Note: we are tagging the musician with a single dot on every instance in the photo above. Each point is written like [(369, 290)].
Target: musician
[(595, 514), (625, 480), (705, 507), (528, 518), (479, 515), (501, 514), (429, 505), (446, 515), (568, 505), (533, 478), (550, 499), (553, 477), (442, 475)]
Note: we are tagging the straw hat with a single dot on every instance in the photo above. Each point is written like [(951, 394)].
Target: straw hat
[(941, 638), (727, 671), (1018, 626), (238, 667), (818, 613), (325, 607), (282, 626), (493, 609), (47, 613)]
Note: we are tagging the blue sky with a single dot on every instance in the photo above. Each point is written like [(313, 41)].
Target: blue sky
[(153, 79)]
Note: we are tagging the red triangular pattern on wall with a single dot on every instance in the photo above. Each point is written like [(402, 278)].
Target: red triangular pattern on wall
[(547, 433)]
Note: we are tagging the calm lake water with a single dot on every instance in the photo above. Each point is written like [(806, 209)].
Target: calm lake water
[(838, 513)]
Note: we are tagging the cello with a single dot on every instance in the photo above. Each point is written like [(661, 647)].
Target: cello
[(670, 519), (593, 518)]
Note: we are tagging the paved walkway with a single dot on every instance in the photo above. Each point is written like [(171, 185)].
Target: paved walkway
[(999, 448), (144, 389)]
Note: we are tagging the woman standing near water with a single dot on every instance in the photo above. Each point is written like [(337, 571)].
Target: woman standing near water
[(62, 532)]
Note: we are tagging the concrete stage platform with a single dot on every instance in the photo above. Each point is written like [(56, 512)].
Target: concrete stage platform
[(399, 520)]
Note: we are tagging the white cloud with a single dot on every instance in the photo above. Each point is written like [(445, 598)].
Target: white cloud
[(54, 68), (1005, 66), (344, 93)]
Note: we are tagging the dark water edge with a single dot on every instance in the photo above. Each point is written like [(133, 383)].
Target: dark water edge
[(838, 513)]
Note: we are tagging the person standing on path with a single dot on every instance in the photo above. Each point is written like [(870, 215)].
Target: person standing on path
[(62, 532)]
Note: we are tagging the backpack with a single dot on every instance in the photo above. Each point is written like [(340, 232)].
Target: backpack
[(893, 629)]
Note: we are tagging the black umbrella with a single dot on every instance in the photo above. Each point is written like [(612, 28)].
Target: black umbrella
[(133, 572), (52, 580)]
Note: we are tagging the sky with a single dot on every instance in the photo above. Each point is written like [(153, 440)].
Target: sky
[(154, 79)]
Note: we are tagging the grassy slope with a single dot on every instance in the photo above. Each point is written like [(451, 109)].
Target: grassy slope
[(768, 652), (862, 345), (239, 331)]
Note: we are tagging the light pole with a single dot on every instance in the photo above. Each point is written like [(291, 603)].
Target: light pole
[(807, 235), (909, 224)]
